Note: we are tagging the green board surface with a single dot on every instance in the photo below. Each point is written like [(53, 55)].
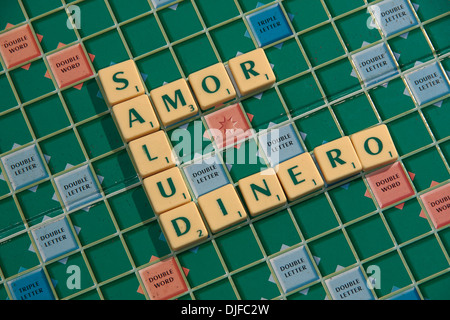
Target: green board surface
[(317, 91)]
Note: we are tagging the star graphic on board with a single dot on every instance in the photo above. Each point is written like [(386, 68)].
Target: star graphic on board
[(228, 125)]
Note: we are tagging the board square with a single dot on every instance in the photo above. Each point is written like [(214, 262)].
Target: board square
[(390, 185), (18, 46), (31, 286), (228, 125), (70, 65), (77, 187), (393, 16), (349, 285), (269, 25), (374, 64), (206, 175), (163, 280), (281, 144), (428, 83), (24, 167), (294, 269), (437, 204), (54, 239)]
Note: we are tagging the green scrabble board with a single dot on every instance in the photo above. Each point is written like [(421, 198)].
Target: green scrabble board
[(76, 222)]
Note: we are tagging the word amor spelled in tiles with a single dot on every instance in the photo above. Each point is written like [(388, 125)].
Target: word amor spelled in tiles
[(212, 86), (252, 72), (174, 102)]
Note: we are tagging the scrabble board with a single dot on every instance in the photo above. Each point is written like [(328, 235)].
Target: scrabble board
[(84, 217)]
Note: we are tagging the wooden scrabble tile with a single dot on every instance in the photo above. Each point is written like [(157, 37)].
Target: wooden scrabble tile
[(163, 280), (183, 226), (166, 190), (222, 208), (262, 192), (337, 160), (174, 102), (252, 72), (299, 176), (121, 82), (18, 46), (69, 65), (374, 147), (152, 154), (136, 118), (212, 86)]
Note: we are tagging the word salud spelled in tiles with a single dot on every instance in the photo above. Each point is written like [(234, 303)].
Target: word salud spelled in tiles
[(294, 269), (437, 204), (69, 65), (152, 154), (252, 72), (121, 82), (77, 187), (163, 280), (18, 46), (222, 208), (174, 102), (299, 176), (54, 239), (349, 285), (374, 147), (337, 160), (31, 286), (24, 167), (212, 86), (136, 118), (374, 64), (428, 83), (262, 192), (393, 16), (269, 25), (390, 184), (166, 190), (206, 175), (183, 226)]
